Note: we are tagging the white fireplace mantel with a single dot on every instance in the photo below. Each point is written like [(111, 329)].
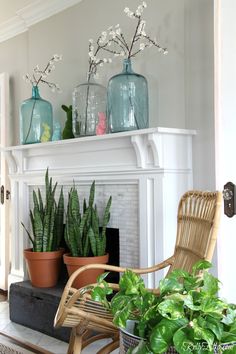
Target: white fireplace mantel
[(157, 160)]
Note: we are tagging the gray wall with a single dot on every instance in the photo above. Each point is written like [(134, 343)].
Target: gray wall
[(180, 84), (199, 87)]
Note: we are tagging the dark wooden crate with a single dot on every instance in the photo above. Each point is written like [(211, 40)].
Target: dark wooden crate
[(36, 308)]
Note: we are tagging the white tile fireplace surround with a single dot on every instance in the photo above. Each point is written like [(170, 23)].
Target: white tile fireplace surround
[(145, 171)]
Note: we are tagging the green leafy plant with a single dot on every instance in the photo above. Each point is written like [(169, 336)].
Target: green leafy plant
[(83, 234), (46, 219), (186, 314)]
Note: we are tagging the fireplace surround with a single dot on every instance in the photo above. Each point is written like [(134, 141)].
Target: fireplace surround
[(146, 172)]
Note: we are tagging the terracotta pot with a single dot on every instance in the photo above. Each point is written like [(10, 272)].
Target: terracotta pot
[(43, 267), (88, 276)]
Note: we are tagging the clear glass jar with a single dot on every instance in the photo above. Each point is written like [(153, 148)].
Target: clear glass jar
[(36, 122), (89, 103), (127, 100)]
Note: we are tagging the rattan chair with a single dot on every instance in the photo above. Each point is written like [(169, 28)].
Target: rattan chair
[(198, 219)]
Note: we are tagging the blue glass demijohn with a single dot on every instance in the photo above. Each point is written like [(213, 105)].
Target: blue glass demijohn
[(36, 122), (127, 106)]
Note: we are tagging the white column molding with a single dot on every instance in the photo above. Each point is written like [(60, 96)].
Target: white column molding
[(150, 223)]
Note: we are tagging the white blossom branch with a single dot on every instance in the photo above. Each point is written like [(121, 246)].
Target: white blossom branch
[(39, 76)]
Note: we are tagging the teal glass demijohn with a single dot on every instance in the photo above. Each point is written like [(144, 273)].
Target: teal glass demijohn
[(36, 122), (127, 100)]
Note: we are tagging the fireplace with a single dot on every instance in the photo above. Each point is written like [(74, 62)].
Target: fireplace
[(146, 172)]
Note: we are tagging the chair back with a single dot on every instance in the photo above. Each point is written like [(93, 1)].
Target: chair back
[(197, 226)]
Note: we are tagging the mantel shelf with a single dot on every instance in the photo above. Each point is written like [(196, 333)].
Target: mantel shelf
[(160, 130), (146, 149)]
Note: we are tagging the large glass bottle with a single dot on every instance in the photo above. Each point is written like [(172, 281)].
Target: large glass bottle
[(36, 122), (127, 100), (89, 107)]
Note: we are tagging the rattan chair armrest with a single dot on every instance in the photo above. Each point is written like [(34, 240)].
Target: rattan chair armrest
[(108, 267)]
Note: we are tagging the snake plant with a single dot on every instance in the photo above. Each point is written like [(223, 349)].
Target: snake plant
[(83, 234), (46, 219)]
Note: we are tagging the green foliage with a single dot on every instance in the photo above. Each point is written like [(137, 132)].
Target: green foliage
[(187, 314), (82, 231), (67, 132), (46, 219)]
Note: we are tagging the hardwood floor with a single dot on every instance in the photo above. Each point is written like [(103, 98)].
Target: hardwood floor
[(7, 339), (3, 295)]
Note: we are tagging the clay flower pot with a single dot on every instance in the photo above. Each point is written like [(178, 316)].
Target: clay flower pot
[(89, 276), (43, 267)]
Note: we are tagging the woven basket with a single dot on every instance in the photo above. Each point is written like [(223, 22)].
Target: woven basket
[(129, 340)]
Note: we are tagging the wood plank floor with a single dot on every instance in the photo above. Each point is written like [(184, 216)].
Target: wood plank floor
[(3, 295), (24, 344)]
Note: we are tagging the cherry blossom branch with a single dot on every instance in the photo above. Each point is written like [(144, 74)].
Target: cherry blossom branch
[(39, 76), (120, 46)]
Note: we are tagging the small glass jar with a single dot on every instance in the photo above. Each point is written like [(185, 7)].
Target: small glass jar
[(89, 105), (127, 102), (36, 122)]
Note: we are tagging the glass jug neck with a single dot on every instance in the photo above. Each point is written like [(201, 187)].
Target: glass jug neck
[(35, 92), (127, 68)]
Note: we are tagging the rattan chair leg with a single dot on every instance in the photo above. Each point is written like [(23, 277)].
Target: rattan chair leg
[(72, 341), (75, 344), (94, 338), (78, 344), (107, 349)]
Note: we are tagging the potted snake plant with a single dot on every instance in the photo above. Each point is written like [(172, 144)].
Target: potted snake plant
[(44, 258), (185, 316), (85, 237)]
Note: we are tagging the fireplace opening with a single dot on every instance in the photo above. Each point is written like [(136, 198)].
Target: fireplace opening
[(113, 248)]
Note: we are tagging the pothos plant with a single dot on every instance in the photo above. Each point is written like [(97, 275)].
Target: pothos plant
[(187, 314)]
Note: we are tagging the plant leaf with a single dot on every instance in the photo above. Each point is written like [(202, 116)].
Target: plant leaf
[(91, 194), (228, 337), (200, 265), (203, 334), (230, 316), (131, 283), (162, 334), (188, 301), (214, 325), (178, 273), (171, 309), (170, 285), (211, 284), (183, 342), (213, 306)]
